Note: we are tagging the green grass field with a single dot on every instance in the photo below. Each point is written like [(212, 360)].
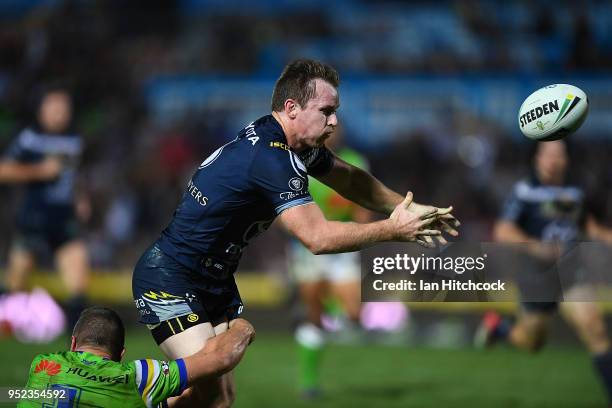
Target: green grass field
[(385, 376)]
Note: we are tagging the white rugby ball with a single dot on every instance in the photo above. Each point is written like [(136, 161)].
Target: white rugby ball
[(553, 112)]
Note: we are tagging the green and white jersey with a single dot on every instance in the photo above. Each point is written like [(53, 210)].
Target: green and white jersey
[(92, 381)]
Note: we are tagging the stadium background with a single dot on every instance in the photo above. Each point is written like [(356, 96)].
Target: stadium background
[(429, 93)]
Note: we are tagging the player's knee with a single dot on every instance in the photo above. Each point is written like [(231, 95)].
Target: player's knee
[(594, 335)]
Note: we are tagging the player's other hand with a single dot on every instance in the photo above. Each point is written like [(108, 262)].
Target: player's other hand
[(50, 168), (243, 326), (414, 226)]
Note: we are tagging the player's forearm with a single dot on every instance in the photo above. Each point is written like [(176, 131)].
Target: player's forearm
[(334, 236), (18, 173), (11, 172), (369, 192), (509, 233)]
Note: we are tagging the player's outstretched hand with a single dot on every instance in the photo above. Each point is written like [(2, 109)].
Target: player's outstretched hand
[(444, 220), (411, 226)]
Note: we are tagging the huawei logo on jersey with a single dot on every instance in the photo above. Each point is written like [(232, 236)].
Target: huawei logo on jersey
[(49, 367)]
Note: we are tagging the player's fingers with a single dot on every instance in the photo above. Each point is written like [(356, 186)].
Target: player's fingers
[(429, 241), (445, 211), (422, 243), (426, 222), (428, 232), (441, 240), (448, 229), (425, 244), (408, 200), (451, 220), (429, 214)]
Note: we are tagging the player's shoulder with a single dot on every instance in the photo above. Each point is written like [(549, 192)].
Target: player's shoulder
[(270, 149), (260, 131), (49, 363), (523, 186)]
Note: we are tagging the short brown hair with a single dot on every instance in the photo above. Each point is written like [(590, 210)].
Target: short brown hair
[(100, 327), (297, 82)]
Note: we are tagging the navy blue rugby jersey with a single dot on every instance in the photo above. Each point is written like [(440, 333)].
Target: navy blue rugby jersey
[(238, 191), (549, 213), (48, 200)]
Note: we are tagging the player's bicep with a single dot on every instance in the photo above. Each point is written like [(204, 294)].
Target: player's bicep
[(305, 222), (339, 176)]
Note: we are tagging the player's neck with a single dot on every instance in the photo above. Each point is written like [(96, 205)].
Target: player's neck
[(95, 351), (557, 180), (289, 134)]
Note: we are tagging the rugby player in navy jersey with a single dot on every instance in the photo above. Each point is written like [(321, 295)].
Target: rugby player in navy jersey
[(44, 158), (183, 285), (548, 215)]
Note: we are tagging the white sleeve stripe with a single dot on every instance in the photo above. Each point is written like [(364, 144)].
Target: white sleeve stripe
[(138, 372), (294, 203), (296, 164), (156, 372)]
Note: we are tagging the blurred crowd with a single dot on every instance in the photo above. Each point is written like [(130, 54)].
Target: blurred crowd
[(135, 167)]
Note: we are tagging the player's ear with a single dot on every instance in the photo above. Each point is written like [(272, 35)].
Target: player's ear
[(72, 343), (291, 108), (122, 354)]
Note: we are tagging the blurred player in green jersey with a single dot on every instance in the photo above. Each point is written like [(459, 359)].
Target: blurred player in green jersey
[(92, 374), (324, 277)]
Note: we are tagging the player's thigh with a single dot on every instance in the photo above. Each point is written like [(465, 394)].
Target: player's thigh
[(187, 342), (202, 393), (349, 294), (587, 320), (73, 263), (20, 262)]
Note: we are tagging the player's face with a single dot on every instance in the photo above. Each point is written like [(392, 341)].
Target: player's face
[(55, 112), (551, 162), (316, 121)]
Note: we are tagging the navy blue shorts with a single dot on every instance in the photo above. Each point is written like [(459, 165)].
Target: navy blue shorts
[(163, 289), (45, 239)]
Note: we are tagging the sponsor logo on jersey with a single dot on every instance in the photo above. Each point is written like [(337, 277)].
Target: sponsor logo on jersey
[(165, 367), (290, 195), (118, 379), (197, 194), (192, 317), (48, 367), (280, 145), (251, 134), (296, 183)]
